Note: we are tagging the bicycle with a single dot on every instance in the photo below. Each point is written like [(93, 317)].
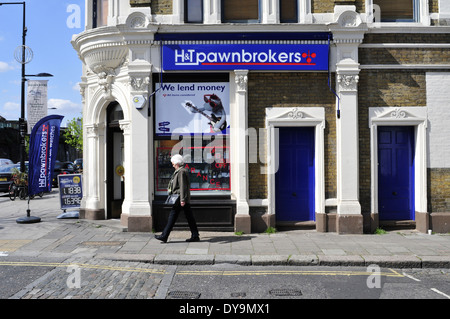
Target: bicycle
[(19, 187)]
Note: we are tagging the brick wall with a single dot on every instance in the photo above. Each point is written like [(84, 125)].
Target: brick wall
[(327, 6), (387, 88), (291, 90), (162, 7)]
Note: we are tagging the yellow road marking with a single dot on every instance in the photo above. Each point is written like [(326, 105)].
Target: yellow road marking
[(86, 266), (286, 272), (268, 272)]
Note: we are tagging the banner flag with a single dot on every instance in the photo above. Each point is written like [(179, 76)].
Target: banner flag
[(44, 141), (36, 102)]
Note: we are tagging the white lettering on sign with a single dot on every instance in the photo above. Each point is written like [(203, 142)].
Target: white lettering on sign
[(193, 57)]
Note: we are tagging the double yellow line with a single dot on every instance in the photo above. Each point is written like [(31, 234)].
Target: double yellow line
[(392, 273), (85, 266), (268, 272)]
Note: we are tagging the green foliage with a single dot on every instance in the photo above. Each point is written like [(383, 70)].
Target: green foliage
[(270, 230), (74, 133)]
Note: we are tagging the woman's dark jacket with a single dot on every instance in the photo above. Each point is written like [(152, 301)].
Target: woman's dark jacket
[(179, 184)]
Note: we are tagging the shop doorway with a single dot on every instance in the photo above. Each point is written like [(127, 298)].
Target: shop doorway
[(115, 162), (295, 177), (396, 172)]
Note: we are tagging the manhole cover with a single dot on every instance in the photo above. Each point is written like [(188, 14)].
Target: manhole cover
[(184, 295), (103, 243), (285, 292)]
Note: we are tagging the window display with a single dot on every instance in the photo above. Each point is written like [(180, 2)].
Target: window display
[(208, 165)]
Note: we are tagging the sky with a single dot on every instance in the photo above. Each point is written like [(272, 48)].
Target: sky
[(51, 25)]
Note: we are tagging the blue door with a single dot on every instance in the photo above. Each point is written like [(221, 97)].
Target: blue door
[(396, 173), (294, 180)]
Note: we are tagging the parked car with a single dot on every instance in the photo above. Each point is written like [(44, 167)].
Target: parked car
[(5, 176), (61, 168), (78, 164), (5, 161)]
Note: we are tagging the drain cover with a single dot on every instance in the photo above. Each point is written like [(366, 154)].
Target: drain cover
[(183, 295), (285, 292)]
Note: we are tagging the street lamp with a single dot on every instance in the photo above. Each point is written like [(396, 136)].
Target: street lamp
[(24, 57), (22, 104)]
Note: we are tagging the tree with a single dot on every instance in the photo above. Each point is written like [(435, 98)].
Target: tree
[(74, 133)]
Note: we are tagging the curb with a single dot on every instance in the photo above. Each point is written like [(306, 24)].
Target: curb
[(285, 260)]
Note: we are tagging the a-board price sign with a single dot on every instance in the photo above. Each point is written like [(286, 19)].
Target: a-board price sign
[(70, 190)]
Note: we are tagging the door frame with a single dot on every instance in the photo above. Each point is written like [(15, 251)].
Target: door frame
[(400, 116), (311, 214), (112, 127), (411, 147), (296, 117)]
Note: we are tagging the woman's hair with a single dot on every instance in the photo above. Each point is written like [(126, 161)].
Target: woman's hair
[(177, 159)]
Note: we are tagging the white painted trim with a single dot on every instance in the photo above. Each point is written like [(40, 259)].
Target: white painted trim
[(423, 16), (296, 117), (401, 116)]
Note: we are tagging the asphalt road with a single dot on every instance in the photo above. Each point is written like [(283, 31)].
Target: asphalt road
[(102, 279)]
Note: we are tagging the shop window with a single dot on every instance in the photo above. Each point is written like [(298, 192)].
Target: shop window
[(207, 161), (247, 11), (100, 14), (193, 11), (397, 11), (288, 11), (192, 118)]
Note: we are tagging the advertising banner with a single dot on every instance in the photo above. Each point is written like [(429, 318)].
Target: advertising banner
[(44, 141), (36, 102), (200, 57), (70, 190), (192, 108)]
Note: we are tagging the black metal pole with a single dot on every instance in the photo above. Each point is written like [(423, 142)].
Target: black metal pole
[(22, 124)]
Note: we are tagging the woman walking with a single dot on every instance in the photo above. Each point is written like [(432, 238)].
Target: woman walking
[(179, 184)]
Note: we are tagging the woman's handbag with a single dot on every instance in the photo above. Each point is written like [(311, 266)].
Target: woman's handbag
[(172, 199)]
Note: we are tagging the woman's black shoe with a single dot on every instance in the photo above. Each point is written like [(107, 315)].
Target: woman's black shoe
[(192, 239), (161, 238)]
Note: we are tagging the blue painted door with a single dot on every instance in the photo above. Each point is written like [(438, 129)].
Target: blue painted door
[(395, 173), (294, 180)]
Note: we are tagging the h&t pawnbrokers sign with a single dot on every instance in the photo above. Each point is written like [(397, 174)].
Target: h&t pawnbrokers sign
[(286, 56)]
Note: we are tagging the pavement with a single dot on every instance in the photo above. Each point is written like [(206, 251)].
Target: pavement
[(108, 240)]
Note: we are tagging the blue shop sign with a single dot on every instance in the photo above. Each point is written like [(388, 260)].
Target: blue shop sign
[(206, 57)]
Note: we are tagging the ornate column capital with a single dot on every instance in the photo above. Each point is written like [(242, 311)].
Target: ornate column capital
[(348, 82), (241, 80)]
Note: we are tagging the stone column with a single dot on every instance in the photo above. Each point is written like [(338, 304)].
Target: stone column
[(92, 206), (239, 152), (136, 208), (348, 33)]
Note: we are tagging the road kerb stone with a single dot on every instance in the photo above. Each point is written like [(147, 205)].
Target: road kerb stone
[(172, 259), (344, 260), (397, 261), (435, 261), (233, 259), (263, 260), (303, 260)]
